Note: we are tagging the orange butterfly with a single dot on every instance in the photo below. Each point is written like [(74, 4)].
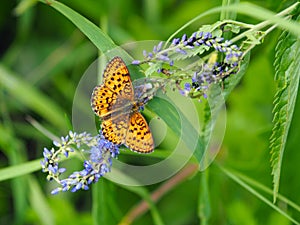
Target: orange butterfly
[(115, 104)]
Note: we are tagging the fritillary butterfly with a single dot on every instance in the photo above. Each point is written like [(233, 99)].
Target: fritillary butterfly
[(115, 104)]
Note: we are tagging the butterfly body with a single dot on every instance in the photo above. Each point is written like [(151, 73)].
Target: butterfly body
[(114, 102)]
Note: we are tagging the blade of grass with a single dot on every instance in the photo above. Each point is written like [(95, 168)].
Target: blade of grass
[(257, 194), (144, 194), (102, 214), (19, 170), (39, 202), (265, 189)]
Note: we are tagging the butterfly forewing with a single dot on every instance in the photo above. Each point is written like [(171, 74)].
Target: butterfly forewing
[(102, 100), (117, 77)]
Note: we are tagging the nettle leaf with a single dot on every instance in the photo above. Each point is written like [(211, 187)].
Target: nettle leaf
[(287, 67)]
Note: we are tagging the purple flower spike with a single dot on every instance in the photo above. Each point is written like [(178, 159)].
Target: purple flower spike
[(187, 86), (184, 37), (136, 62), (159, 46), (175, 41)]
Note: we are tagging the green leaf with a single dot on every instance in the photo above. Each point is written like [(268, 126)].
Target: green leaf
[(39, 203), (14, 149), (102, 214), (21, 169), (287, 66)]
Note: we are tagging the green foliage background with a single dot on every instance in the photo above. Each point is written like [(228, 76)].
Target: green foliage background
[(43, 56)]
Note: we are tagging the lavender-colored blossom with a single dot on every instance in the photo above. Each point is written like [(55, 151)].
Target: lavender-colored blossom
[(100, 161), (150, 55), (136, 62), (184, 37), (145, 53), (187, 86), (183, 92), (154, 49), (159, 46), (176, 41)]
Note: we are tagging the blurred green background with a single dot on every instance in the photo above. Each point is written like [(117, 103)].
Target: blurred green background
[(43, 57)]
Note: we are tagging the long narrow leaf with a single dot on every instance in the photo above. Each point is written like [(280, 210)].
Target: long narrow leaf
[(39, 202), (287, 63), (243, 184), (101, 212), (21, 169)]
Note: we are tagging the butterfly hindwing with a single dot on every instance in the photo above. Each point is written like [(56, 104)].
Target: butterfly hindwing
[(114, 129), (139, 137)]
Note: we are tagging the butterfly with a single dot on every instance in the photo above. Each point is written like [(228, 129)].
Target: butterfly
[(115, 103)]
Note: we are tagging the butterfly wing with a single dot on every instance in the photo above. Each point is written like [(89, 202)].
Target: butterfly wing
[(139, 137), (102, 100), (111, 101), (117, 88), (117, 78), (115, 129)]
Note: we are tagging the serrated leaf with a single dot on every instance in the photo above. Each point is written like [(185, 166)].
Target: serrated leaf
[(287, 66)]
